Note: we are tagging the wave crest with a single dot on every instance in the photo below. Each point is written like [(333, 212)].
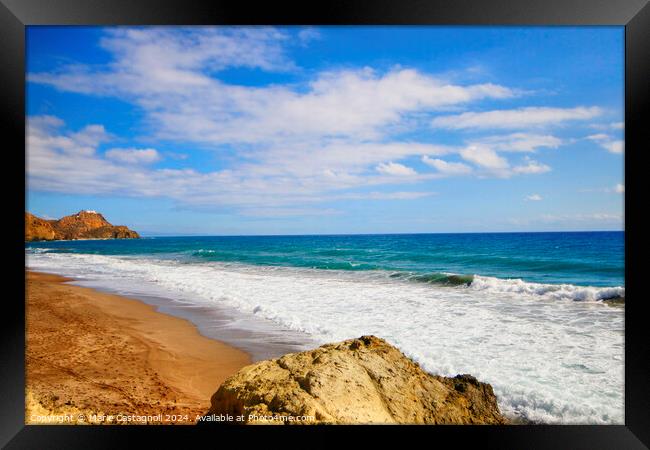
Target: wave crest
[(556, 291), (438, 278)]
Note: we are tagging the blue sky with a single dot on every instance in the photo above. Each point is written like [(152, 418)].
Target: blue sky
[(308, 130)]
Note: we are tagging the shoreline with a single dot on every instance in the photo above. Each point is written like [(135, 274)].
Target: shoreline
[(199, 299), (91, 355), (261, 339)]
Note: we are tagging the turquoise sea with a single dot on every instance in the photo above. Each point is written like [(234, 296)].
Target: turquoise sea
[(522, 311), (580, 258)]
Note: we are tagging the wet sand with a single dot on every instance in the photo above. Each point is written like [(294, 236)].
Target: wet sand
[(93, 357)]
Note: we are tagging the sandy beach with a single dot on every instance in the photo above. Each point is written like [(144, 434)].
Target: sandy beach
[(93, 357)]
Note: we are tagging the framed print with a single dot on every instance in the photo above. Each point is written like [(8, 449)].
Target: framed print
[(356, 214)]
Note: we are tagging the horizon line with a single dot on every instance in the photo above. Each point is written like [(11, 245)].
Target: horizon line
[(377, 234)]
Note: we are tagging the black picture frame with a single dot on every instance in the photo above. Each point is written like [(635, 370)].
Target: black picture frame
[(15, 15)]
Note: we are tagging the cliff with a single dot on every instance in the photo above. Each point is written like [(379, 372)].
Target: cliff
[(37, 229), (358, 381), (83, 225)]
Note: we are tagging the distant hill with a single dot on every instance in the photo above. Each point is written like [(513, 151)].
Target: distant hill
[(83, 225)]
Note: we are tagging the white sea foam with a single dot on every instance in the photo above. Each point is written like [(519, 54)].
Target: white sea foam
[(556, 291), (548, 359)]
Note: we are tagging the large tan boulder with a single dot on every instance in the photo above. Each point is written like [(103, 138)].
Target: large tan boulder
[(358, 381)]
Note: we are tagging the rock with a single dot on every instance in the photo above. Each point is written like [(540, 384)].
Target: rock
[(358, 381), (37, 229), (83, 225), (615, 301)]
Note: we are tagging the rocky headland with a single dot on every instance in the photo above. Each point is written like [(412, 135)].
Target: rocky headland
[(83, 225), (357, 381)]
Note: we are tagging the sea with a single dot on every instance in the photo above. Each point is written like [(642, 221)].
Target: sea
[(521, 311)]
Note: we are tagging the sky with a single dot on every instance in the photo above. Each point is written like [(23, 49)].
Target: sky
[(327, 130)]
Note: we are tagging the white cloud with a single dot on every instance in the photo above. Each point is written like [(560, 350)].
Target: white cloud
[(59, 160), (598, 137), (177, 156), (308, 34), (340, 161), (484, 156), (169, 60), (534, 197), (326, 138), (133, 155), (169, 73), (45, 123), (532, 167), (607, 142), (399, 195), (614, 146), (451, 168), (289, 212), (358, 103), (67, 161), (619, 188), (496, 165), (519, 142), (395, 169), (516, 118), (348, 103), (609, 126), (42, 131)]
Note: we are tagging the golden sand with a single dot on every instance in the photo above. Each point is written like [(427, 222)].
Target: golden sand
[(93, 357)]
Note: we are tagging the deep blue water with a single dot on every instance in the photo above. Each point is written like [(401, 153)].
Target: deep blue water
[(579, 258)]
